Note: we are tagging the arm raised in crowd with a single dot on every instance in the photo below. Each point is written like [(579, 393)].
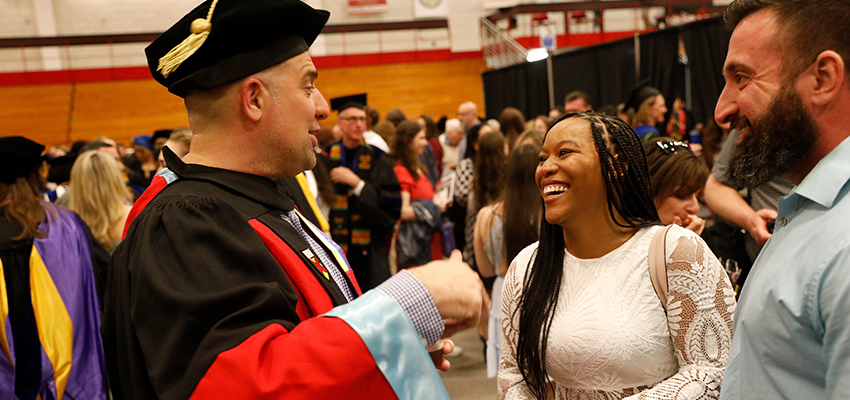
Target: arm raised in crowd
[(729, 205)]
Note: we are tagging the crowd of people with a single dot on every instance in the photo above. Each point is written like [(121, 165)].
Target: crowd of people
[(600, 251)]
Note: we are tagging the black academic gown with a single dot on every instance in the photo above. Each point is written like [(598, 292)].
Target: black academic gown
[(375, 211), (211, 292)]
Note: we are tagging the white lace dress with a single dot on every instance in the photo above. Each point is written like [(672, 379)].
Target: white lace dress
[(611, 338)]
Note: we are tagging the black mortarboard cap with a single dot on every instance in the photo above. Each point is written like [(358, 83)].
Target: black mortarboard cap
[(67, 159), (355, 100), (640, 93), (162, 133), (60, 168), (19, 157), (210, 47)]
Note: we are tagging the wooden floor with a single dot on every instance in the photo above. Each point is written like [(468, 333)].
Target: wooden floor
[(467, 379)]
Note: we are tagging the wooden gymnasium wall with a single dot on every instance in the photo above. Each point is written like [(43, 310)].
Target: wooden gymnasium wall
[(63, 113)]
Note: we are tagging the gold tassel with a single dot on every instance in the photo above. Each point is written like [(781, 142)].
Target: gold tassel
[(200, 30)]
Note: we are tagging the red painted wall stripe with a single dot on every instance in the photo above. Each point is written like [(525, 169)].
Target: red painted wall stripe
[(331, 61), (141, 72)]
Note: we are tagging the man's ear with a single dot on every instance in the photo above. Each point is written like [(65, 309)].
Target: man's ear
[(252, 98), (827, 77)]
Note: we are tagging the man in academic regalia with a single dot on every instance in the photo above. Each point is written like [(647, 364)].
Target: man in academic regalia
[(368, 196), (221, 288)]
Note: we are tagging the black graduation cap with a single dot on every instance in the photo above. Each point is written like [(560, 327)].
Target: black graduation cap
[(19, 157), (162, 133), (60, 168), (211, 46), (63, 160), (640, 93), (354, 100)]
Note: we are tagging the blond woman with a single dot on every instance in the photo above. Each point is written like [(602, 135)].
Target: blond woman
[(100, 197)]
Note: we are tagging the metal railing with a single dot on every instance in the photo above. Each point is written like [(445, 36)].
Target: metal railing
[(500, 50)]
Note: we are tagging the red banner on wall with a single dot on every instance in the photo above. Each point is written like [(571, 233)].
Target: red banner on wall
[(367, 6)]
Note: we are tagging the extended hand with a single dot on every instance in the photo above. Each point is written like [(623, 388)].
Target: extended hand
[(757, 226)]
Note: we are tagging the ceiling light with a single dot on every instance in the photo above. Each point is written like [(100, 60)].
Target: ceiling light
[(537, 54)]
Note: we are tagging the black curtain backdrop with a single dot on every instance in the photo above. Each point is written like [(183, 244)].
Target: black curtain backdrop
[(707, 42), (617, 63), (524, 86), (606, 72), (659, 61), (576, 70)]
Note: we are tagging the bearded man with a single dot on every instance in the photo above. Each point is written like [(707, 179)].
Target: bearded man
[(788, 93)]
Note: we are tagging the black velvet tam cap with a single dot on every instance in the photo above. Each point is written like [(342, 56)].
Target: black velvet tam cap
[(640, 93), (355, 100), (162, 133), (19, 157), (221, 41)]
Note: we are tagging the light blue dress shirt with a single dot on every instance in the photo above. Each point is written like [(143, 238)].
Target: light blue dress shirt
[(792, 326)]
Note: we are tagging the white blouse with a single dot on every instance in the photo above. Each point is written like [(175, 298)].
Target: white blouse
[(611, 338)]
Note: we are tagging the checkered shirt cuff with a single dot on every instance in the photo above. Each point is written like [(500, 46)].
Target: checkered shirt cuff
[(417, 302)]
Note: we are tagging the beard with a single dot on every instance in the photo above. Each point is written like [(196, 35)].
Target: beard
[(774, 142)]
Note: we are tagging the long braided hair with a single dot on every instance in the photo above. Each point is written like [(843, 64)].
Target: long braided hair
[(628, 192)]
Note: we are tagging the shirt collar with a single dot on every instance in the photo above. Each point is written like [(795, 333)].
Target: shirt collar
[(258, 188), (826, 179)]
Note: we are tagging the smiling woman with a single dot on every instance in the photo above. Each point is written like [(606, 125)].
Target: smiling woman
[(581, 317)]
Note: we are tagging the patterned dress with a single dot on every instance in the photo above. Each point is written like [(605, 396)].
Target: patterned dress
[(611, 338)]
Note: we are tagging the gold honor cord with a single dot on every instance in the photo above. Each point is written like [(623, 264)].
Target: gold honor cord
[(302, 181), (200, 30), (4, 312)]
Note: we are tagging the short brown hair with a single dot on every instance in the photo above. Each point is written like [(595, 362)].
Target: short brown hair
[(512, 123), (810, 27), (680, 173), (373, 117), (396, 116), (386, 130), (577, 94)]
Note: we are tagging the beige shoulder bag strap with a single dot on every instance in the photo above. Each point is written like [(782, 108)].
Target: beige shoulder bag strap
[(658, 264)]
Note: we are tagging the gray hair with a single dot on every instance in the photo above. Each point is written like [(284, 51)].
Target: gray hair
[(453, 125)]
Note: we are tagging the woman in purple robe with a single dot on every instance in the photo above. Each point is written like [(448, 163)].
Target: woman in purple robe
[(50, 343)]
